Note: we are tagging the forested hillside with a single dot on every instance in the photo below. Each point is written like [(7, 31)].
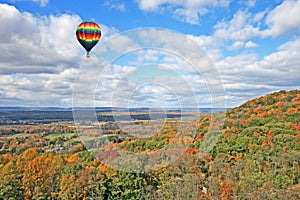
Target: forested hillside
[(256, 156)]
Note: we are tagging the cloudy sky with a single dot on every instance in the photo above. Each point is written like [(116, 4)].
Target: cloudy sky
[(197, 53)]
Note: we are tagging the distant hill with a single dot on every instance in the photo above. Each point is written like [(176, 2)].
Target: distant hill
[(271, 120), (108, 109)]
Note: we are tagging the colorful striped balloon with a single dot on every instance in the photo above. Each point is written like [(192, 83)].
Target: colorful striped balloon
[(88, 34)]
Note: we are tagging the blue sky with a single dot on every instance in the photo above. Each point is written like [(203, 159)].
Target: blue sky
[(254, 46)]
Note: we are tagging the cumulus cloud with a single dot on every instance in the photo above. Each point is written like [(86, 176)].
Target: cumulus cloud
[(244, 25), (240, 28), (42, 3), (236, 45), (160, 72), (251, 3), (31, 44), (283, 19), (239, 45), (115, 5), (247, 77), (40, 57), (188, 11), (210, 45), (37, 89), (250, 44), (36, 69)]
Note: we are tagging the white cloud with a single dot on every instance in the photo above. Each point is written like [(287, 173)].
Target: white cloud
[(188, 16), (119, 86), (188, 11), (119, 44), (40, 57), (251, 3), (31, 44), (42, 3), (36, 69), (239, 28), (115, 5), (286, 60), (38, 89), (250, 45), (244, 25), (237, 45), (210, 44), (246, 77), (283, 19)]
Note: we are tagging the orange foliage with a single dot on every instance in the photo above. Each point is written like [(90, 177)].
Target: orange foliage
[(103, 168), (227, 190), (256, 134), (192, 150), (262, 114), (125, 149), (286, 149), (208, 157), (266, 143), (188, 139), (199, 136), (270, 134), (109, 146), (29, 154), (245, 121), (297, 127), (259, 109), (78, 147), (5, 158), (292, 110), (239, 156), (73, 158), (298, 97), (280, 104), (170, 135)]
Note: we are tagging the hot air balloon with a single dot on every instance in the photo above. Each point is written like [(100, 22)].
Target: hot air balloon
[(88, 34)]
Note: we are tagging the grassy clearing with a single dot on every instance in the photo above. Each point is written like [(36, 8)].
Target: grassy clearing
[(19, 135), (55, 135)]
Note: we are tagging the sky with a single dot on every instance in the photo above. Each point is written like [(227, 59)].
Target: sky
[(158, 53)]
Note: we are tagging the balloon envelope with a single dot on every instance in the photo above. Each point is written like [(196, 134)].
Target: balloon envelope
[(88, 34)]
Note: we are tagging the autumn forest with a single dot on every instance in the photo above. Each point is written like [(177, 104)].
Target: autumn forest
[(248, 152)]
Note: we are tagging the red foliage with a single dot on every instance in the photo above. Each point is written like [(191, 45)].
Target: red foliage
[(292, 110), (125, 149), (227, 189), (256, 134), (106, 155), (270, 134), (192, 150), (286, 149), (208, 157), (245, 121), (297, 127), (280, 104), (266, 143), (199, 136)]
